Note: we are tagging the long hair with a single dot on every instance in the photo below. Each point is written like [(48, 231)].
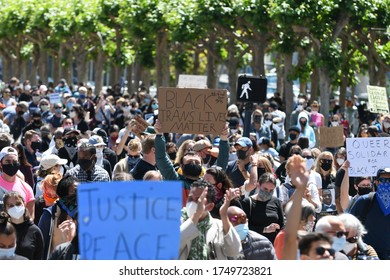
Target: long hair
[(22, 155)]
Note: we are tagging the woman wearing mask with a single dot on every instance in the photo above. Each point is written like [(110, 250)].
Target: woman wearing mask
[(218, 178), (77, 114), (257, 127), (98, 142), (355, 248), (49, 195), (57, 220), (29, 236), (44, 106), (8, 239), (25, 166), (340, 157), (306, 129), (264, 210)]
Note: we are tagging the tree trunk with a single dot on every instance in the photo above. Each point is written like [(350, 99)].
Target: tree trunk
[(146, 78), (81, 61), (137, 76), (195, 69), (6, 61), (211, 63), (36, 59), (381, 73), (43, 70), (258, 49), (22, 69), (301, 62), (280, 76), (288, 86), (315, 81), (162, 59), (99, 72), (232, 66), (56, 69), (325, 92), (129, 78)]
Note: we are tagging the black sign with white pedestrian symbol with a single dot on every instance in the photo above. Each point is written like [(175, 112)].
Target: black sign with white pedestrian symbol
[(252, 89)]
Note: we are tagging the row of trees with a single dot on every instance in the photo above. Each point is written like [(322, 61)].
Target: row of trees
[(160, 39)]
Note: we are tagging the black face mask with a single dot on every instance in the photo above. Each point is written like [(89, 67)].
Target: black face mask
[(363, 191), (11, 169), (172, 155), (70, 142), (20, 113), (241, 154), (260, 171), (85, 164), (37, 122), (326, 165), (303, 123), (207, 158), (36, 146), (192, 169), (292, 136)]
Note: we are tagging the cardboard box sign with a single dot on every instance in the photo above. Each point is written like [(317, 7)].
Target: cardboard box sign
[(193, 111), (251, 89), (331, 137)]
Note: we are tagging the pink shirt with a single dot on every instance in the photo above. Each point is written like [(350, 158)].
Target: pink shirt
[(317, 119), (18, 186)]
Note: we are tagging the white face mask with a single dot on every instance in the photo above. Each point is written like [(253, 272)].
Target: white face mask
[(72, 114), (340, 161), (233, 131), (99, 153), (348, 247), (309, 226), (191, 208), (300, 107), (7, 252), (126, 109), (268, 123), (339, 243), (309, 163), (335, 123), (36, 98), (314, 112), (16, 212), (44, 108), (27, 87)]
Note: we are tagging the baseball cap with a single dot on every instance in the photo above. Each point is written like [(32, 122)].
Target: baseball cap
[(7, 151), (201, 144), (96, 140), (295, 128), (23, 105), (244, 142), (382, 171), (51, 160)]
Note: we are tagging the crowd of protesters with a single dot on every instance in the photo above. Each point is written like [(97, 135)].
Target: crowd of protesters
[(275, 194)]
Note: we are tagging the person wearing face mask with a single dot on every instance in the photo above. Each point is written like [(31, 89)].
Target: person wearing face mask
[(373, 211), (86, 103), (122, 112), (9, 165), (48, 196), (268, 121), (8, 239), (29, 237), (293, 136), (14, 118), (32, 145), (69, 149), (306, 224), (263, 209), (57, 118), (239, 170), (35, 123), (257, 127), (36, 97), (324, 166), (56, 222), (77, 114), (50, 164), (203, 237), (254, 246), (126, 164), (87, 170), (97, 141), (294, 117), (306, 129), (44, 106), (334, 227), (316, 118), (355, 248), (203, 148)]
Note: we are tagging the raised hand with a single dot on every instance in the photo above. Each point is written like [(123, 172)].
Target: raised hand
[(229, 195), (225, 132), (158, 127), (298, 174)]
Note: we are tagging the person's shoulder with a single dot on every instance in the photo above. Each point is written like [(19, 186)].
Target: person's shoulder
[(258, 237), (100, 169)]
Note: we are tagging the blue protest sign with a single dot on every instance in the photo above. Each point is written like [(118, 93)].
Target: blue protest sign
[(137, 220)]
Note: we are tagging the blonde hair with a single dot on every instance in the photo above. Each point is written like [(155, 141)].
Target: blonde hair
[(181, 151), (318, 165), (266, 163), (51, 182), (135, 145)]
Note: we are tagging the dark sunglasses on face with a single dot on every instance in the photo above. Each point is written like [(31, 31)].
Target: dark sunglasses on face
[(340, 233), (320, 251), (307, 157), (327, 161), (353, 239)]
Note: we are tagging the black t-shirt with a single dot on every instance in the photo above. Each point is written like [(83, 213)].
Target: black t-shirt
[(234, 173), (141, 168), (285, 149), (29, 240)]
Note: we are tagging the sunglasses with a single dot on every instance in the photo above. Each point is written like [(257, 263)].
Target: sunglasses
[(238, 218), (384, 180), (320, 251), (353, 239), (307, 157)]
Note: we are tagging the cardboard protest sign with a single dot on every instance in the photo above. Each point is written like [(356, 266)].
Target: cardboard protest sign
[(54, 98), (192, 110), (377, 99), (331, 137), (129, 220), (192, 81), (367, 155)]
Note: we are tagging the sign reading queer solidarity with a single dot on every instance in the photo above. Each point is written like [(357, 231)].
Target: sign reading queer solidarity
[(367, 155), (377, 99), (189, 110), (129, 220)]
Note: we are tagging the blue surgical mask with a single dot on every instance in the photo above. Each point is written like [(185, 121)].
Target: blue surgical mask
[(242, 231), (70, 105), (154, 106), (82, 96), (339, 243), (7, 252), (58, 111)]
